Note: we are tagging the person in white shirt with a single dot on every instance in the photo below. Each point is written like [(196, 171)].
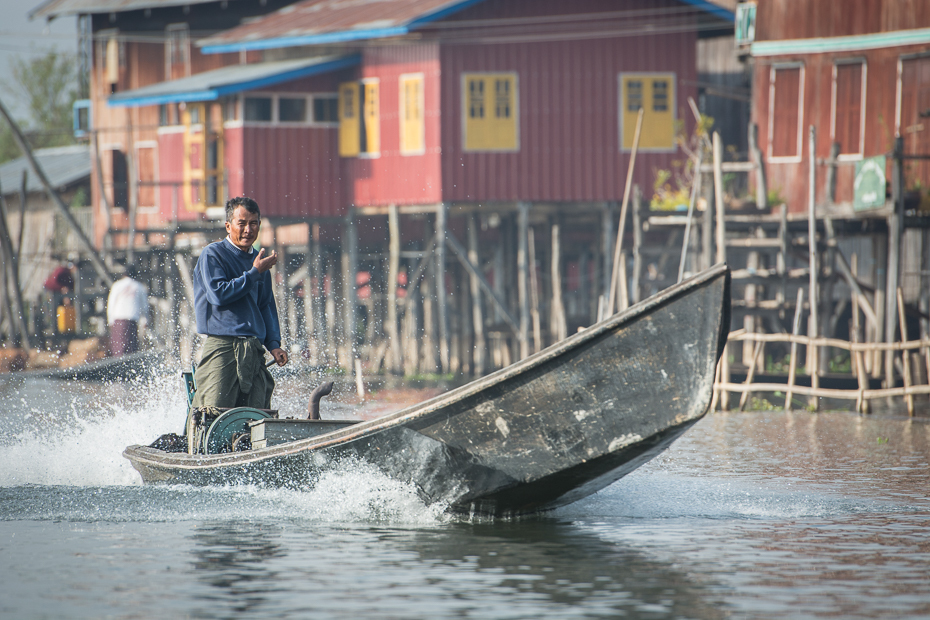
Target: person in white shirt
[(127, 305)]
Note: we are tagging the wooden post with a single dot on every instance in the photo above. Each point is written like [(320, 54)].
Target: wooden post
[(559, 326), (607, 252), (792, 358), (895, 222), (830, 181), (23, 199), (393, 270), (905, 354), (477, 314), (813, 293), (637, 243), (349, 271), (718, 200), (104, 202), (534, 292), (440, 273), (618, 246), (858, 362), (707, 229), (925, 296), (95, 259), (523, 277), (755, 153), (879, 277)]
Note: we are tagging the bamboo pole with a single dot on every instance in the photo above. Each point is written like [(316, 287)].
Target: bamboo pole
[(813, 293), (522, 278), (477, 313), (623, 209), (895, 222), (718, 200), (442, 213), (695, 190), (393, 269), (559, 327), (792, 358), (857, 357), (914, 390), (905, 355), (534, 292)]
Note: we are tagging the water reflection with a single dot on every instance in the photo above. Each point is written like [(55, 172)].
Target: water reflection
[(236, 561)]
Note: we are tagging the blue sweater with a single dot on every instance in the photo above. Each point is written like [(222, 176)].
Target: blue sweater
[(231, 297)]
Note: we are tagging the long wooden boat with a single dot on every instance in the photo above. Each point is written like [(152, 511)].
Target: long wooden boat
[(541, 433)]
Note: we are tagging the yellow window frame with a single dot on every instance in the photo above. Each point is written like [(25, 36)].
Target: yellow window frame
[(490, 112), (656, 93), (412, 115)]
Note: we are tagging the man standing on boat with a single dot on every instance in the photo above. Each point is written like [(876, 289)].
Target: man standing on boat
[(235, 308)]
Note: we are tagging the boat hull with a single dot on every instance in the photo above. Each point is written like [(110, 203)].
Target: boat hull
[(539, 434)]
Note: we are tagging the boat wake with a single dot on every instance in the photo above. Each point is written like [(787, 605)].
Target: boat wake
[(61, 459)]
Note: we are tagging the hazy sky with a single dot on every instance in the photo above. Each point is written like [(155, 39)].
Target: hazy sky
[(22, 37)]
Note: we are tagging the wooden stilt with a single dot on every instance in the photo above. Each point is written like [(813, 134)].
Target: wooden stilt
[(618, 245), (477, 313), (393, 270), (534, 292), (559, 328), (720, 240), (523, 277), (905, 355), (636, 284), (813, 294), (440, 273), (793, 356), (857, 360)]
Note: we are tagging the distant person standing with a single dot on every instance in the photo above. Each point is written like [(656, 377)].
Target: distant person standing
[(127, 304)]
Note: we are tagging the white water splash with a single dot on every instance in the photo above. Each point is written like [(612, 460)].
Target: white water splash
[(67, 434)]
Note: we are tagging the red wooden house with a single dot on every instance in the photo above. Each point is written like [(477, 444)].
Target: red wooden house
[(858, 71), (334, 112)]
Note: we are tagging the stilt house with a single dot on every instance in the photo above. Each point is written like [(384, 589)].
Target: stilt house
[(379, 133)]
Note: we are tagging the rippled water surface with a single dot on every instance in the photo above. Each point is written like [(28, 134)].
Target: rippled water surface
[(749, 515)]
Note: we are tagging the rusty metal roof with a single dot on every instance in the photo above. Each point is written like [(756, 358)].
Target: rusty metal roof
[(321, 22), (314, 22), (50, 9), (63, 165)]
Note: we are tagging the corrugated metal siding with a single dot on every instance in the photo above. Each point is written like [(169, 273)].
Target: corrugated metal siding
[(393, 178), (791, 179), (803, 19), (292, 171), (568, 106)]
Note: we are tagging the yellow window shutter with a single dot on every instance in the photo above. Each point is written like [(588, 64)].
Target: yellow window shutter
[(349, 119), (372, 117), (112, 61), (412, 139), (655, 93), (491, 112)]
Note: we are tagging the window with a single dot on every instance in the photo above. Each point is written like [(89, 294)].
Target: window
[(490, 109), (786, 93), (349, 132), (359, 118), (292, 109), (325, 109), (146, 175), (177, 51), (120, 179), (849, 107), (654, 94), (258, 109), (371, 138), (411, 115)]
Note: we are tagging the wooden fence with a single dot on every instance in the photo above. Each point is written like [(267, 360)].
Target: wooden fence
[(916, 381)]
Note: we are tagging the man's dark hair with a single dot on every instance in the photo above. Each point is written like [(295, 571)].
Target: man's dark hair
[(241, 201)]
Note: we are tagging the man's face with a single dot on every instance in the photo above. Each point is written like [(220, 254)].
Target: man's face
[(243, 228)]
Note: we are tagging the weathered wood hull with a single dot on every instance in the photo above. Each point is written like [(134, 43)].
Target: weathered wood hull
[(539, 434)]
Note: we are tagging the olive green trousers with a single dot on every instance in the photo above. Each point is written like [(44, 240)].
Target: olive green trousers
[(232, 373)]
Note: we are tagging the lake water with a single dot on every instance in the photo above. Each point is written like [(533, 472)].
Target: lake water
[(748, 515)]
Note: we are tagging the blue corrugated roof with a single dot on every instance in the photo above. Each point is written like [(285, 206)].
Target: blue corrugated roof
[(212, 85), (63, 165)]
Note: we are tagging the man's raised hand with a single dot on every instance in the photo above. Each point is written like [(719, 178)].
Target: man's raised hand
[(264, 263)]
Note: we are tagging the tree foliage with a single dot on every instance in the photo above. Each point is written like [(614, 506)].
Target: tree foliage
[(45, 86)]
